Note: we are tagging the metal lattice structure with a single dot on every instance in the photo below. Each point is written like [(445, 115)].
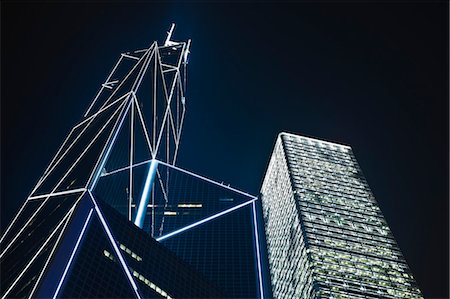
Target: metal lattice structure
[(123, 153), (155, 76)]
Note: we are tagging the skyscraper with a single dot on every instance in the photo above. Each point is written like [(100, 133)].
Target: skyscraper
[(326, 236), (75, 246), (113, 216)]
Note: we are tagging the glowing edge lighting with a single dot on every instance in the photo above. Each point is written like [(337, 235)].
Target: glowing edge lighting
[(25, 225), (73, 254), (257, 250), (105, 154), (116, 249), (140, 214), (79, 190), (13, 222), (53, 250), (36, 255), (206, 179), (52, 167), (204, 220)]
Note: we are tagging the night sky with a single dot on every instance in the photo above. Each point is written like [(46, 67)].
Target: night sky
[(373, 76)]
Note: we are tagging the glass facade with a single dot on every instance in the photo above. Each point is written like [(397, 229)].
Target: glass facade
[(158, 273), (326, 236), (113, 217), (30, 243), (207, 224), (73, 246)]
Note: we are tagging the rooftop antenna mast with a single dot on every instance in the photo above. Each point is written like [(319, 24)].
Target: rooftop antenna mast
[(168, 42)]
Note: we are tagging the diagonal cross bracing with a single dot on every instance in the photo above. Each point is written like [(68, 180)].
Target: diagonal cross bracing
[(30, 219), (114, 245), (171, 234), (63, 222)]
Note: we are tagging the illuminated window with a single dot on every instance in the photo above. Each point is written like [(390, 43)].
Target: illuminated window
[(170, 213), (190, 205), (131, 253), (151, 285)]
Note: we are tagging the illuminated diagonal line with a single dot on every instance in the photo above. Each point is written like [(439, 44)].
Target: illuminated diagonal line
[(73, 254), (101, 89), (167, 96), (131, 159), (163, 125), (177, 110), (204, 220), (122, 98), (54, 158), (36, 255), (166, 199), (54, 164), (178, 46), (162, 186), (14, 220), (141, 50), (206, 179), (180, 96), (114, 245), (142, 122), (182, 170), (125, 168), (26, 224), (185, 171), (181, 123), (52, 252), (142, 71), (125, 78), (103, 157), (129, 56), (172, 68), (172, 125), (86, 150), (81, 155), (58, 158), (177, 74), (58, 193), (258, 256)]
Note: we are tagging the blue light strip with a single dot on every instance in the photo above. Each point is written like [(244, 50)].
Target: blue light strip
[(80, 237), (204, 220), (116, 249), (105, 155), (142, 210), (258, 256)]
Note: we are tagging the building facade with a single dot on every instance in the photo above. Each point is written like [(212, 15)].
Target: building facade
[(209, 225), (113, 216), (78, 247), (326, 236)]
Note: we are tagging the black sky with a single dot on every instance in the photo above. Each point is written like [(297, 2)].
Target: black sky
[(374, 76)]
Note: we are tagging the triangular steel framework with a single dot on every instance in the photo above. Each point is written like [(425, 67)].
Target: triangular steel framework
[(249, 201), (57, 234), (155, 75)]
